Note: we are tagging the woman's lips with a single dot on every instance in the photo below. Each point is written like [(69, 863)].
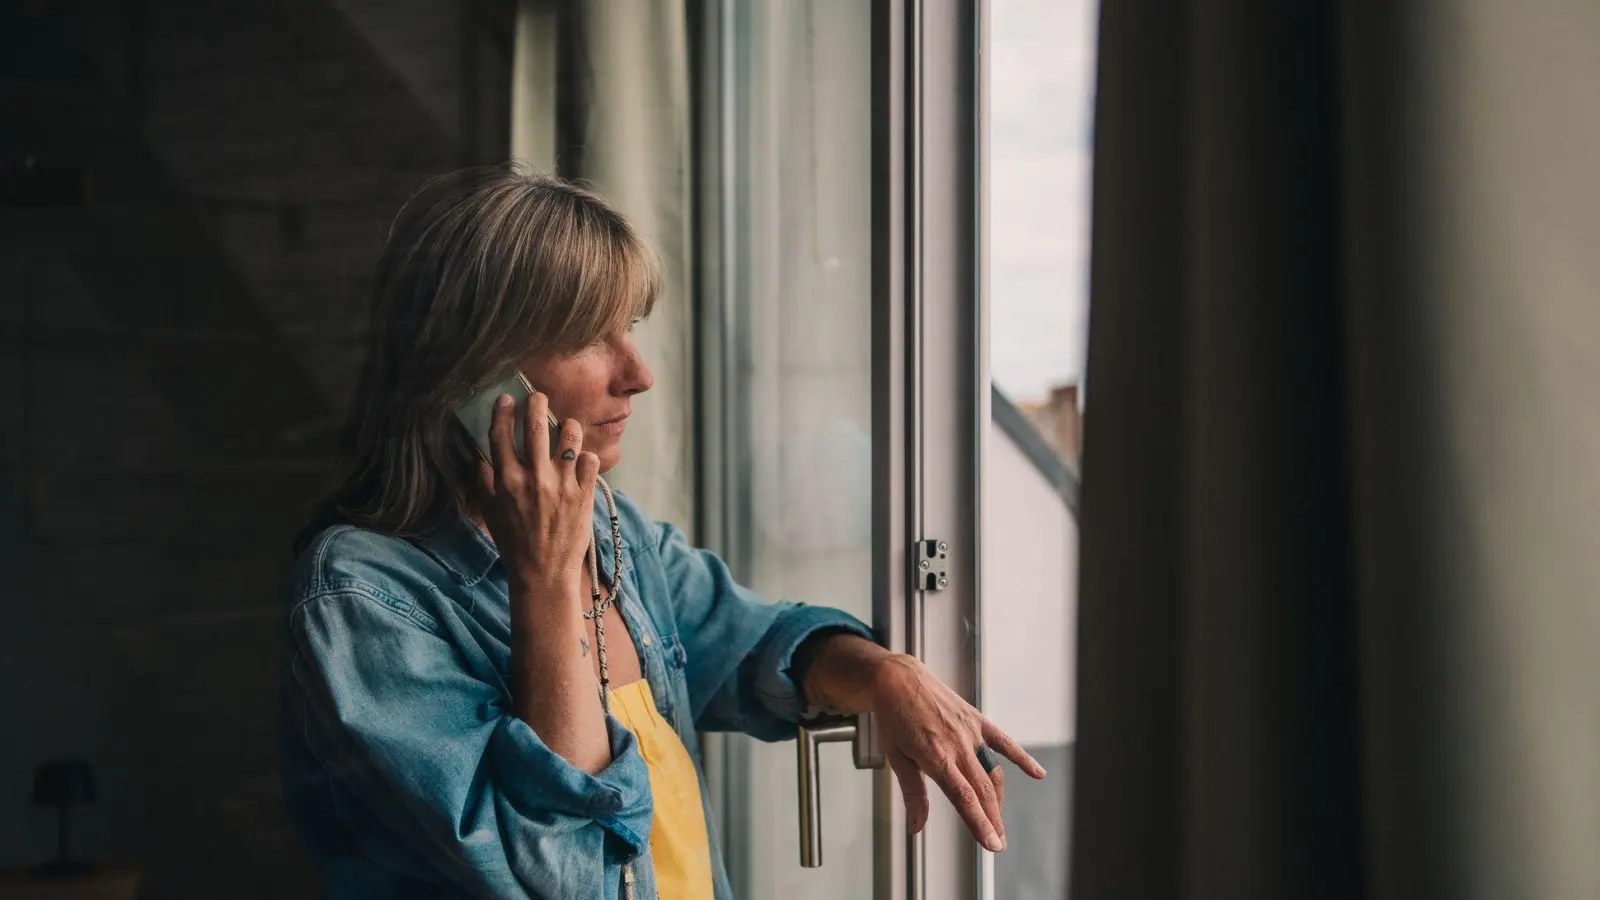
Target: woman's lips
[(613, 427)]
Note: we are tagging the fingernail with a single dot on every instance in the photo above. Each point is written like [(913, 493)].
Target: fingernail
[(503, 401), (993, 842)]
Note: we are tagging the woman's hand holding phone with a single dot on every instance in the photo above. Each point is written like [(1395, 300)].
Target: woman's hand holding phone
[(540, 512)]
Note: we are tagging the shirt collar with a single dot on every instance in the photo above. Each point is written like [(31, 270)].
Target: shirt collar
[(462, 548)]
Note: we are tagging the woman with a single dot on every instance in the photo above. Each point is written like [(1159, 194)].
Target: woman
[(494, 691)]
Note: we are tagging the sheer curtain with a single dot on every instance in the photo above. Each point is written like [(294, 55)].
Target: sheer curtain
[(601, 93)]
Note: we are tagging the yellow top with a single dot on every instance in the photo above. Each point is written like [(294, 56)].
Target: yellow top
[(678, 842)]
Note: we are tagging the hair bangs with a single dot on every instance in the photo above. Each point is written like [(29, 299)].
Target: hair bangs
[(616, 281)]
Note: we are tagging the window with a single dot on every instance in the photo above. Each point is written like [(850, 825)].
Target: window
[(1038, 158)]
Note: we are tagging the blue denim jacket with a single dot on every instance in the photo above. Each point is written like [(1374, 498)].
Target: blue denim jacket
[(404, 768)]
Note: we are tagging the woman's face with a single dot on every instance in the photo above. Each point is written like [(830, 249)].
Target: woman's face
[(595, 385)]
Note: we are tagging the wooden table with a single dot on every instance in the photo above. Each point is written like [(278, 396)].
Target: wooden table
[(107, 882)]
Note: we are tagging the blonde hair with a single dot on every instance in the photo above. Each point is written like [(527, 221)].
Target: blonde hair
[(482, 270)]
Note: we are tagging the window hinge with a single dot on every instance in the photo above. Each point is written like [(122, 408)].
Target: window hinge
[(931, 565)]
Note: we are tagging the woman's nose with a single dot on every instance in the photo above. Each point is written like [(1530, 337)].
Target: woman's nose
[(636, 377)]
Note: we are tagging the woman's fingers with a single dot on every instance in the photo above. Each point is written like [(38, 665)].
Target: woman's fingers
[(536, 434), (588, 471), (914, 789), (1000, 741), (998, 777), (984, 785), (568, 445), (540, 501), (502, 428), (958, 786)]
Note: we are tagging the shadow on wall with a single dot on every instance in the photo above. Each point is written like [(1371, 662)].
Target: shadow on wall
[(193, 200)]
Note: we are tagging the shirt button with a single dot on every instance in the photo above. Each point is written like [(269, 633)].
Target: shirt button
[(646, 640)]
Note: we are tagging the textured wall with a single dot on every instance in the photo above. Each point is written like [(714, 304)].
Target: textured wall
[(177, 350)]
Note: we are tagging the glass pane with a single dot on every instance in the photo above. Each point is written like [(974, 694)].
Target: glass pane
[(1042, 54), (798, 393)]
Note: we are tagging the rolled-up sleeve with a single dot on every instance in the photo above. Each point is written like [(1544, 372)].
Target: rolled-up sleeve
[(739, 647), (465, 791)]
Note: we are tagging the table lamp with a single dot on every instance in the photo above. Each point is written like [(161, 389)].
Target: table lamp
[(62, 783)]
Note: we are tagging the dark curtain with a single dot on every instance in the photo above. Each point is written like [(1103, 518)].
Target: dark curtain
[(1338, 484)]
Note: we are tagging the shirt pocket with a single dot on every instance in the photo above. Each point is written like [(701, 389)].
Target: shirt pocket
[(673, 701), (673, 656)]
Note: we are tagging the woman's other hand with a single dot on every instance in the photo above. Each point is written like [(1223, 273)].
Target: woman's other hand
[(928, 729)]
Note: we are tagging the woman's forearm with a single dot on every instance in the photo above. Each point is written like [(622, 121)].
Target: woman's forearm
[(844, 672), (553, 687)]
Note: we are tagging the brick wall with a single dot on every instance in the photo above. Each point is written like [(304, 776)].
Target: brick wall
[(178, 347)]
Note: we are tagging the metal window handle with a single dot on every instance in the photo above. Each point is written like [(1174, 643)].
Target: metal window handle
[(868, 754)]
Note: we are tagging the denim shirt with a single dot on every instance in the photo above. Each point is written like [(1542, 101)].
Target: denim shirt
[(405, 770)]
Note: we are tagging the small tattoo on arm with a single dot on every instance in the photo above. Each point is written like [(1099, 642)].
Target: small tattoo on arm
[(583, 643)]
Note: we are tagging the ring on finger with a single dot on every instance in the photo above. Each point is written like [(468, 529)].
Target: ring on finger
[(988, 758)]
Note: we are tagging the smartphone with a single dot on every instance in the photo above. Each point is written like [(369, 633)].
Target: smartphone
[(477, 414)]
